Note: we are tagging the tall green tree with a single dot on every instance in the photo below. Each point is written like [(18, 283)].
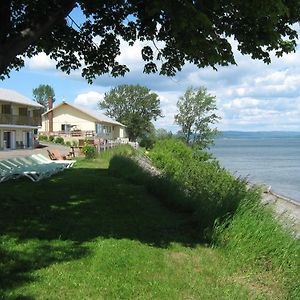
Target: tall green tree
[(42, 93), (194, 31), (134, 106), (196, 116)]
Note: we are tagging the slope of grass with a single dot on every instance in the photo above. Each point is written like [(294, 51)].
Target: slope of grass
[(84, 234)]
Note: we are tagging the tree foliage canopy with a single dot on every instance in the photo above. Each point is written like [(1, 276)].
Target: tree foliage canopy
[(196, 115), (42, 93), (178, 31), (134, 106)]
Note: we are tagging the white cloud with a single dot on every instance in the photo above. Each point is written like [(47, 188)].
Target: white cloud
[(242, 102), (41, 62), (89, 99)]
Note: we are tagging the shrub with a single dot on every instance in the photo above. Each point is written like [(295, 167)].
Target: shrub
[(51, 138), (169, 155), (213, 192), (88, 150), (43, 137), (209, 191), (147, 142), (59, 140), (68, 143)]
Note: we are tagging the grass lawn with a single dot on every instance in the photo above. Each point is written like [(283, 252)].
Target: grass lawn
[(84, 234)]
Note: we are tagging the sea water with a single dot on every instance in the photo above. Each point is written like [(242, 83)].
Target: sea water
[(271, 161)]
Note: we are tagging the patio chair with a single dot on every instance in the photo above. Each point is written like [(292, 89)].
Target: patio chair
[(8, 172), (31, 162), (54, 154), (42, 159), (33, 170)]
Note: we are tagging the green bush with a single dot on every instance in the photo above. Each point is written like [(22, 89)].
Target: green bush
[(68, 143), (59, 140), (43, 137), (51, 138), (214, 193), (169, 155), (147, 142), (209, 191), (88, 150)]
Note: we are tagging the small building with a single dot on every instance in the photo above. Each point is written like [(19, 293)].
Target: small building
[(70, 120), (20, 118)]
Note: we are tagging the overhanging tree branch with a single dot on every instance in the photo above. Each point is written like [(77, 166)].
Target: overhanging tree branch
[(18, 43), (192, 31)]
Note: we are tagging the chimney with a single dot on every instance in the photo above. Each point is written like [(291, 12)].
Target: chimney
[(50, 115), (50, 102)]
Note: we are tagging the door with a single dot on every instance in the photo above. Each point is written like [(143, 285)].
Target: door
[(27, 136), (29, 139), (7, 139)]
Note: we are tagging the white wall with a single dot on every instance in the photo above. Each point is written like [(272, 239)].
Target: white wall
[(66, 114)]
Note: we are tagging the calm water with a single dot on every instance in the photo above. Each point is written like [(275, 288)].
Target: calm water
[(273, 161)]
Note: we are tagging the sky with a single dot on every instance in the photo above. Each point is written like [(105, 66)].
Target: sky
[(251, 96)]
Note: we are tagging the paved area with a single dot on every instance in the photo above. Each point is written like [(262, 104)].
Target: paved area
[(26, 152)]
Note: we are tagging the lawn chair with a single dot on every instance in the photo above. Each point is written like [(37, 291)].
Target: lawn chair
[(42, 159), (13, 171), (33, 170), (54, 154), (7, 171)]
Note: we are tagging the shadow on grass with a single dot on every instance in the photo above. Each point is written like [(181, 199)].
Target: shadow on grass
[(49, 221)]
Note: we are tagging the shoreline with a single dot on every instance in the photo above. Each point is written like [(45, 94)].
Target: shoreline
[(286, 210), (288, 199)]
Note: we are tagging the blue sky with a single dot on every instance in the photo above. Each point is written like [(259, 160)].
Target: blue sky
[(250, 96)]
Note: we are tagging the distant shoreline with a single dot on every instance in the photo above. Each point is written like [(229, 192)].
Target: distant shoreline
[(258, 134)]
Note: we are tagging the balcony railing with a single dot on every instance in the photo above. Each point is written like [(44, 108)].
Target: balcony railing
[(20, 120)]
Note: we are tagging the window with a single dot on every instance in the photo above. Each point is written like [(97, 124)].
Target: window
[(99, 128), (37, 113), (6, 109), (66, 127), (23, 111), (107, 129)]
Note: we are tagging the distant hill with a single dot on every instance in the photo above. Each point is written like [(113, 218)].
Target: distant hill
[(258, 134)]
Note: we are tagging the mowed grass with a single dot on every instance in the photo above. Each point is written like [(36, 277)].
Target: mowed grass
[(84, 234)]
